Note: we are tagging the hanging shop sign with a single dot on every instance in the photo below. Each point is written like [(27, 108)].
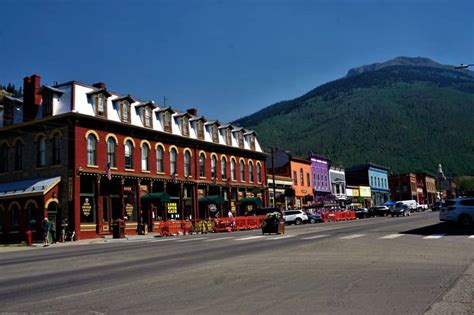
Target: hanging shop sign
[(129, 209), (86, 207), (172, 207), (241, 194), (212, 208), (200, 192)]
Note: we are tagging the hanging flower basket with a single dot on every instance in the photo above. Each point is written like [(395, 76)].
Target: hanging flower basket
[(273, 224)]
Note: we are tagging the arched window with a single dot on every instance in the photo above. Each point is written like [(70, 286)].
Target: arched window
[(233, 174), (224, 168), (301, 177), (56, 150), (41, 152), (145, 154), (30, 211), (4, 158), (14, 213), (187, 163), (202, 168), (242, 171), (251, 178), (213, 167), (18, 155), (111, 146), (173, 169), (159, 160), (259, 173), (91, 149), (129, 155)]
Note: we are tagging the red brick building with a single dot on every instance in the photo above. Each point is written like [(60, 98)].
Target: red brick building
[(83, 153)]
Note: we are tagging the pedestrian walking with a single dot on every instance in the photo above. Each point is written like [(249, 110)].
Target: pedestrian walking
[(46, 226), (52, 229), (63, 230)]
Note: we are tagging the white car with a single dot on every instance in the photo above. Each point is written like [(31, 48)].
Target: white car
[(295, 216), (458, 210)]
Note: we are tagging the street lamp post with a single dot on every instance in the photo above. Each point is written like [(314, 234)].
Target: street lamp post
[(273, 179)]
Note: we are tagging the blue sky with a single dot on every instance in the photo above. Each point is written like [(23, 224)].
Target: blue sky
[(226, 58)]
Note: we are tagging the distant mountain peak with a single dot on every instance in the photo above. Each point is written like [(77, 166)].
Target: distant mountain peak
[(398, 61)]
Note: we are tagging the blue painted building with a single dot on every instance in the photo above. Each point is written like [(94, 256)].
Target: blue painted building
[(373, 175)]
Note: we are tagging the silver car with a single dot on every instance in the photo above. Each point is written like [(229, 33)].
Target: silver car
[(295, 216), (458, 210)]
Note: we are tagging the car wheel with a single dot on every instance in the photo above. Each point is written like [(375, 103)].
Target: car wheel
[(465, 220), (408, 213), (312, 221), (298, 221), (393, 215)]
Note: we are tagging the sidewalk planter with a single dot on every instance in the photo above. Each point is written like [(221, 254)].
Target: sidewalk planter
[(118, 228), (273, 224)]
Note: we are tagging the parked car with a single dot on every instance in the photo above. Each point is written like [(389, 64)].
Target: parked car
[(379, 211), (421, 207), (361, 213), (295, 216), (400, 209), (412, 204), (437, 206), (313, 217), (458, 210)]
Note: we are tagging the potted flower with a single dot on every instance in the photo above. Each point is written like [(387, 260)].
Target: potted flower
[(273, 223)]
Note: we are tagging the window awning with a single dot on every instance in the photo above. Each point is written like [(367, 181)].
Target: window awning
[(161, 196), (37, 186), (252, 200), (216, 199)]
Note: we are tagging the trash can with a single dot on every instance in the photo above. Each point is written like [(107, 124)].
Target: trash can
[(118, 228), (29, 237)]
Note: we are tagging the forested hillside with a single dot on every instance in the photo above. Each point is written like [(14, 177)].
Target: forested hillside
[(409, 118)]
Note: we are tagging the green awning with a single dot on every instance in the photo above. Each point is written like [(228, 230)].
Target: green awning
[(216, 199), (252, 200), (162, 197)]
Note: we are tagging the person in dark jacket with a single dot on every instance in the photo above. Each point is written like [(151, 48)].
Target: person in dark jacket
[(46, 227)]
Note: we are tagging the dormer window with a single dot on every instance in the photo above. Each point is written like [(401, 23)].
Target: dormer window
[(147, 118), (99, 101), (101, 107), (252, 142), (199, 129), (47, 104), (228, 136), (240, 136), (184, 126), (215, 134), (125, 110), (167, 121)]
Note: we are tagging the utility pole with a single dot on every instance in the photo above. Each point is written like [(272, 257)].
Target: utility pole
[(273, 179)]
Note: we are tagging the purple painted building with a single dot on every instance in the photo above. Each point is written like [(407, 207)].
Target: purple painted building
[(321, 180)]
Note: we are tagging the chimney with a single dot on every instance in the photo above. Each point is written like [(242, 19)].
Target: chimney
[(99, 85), (192, 111), (31, 98)]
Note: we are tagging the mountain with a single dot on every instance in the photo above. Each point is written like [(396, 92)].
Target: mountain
[(409, 114)]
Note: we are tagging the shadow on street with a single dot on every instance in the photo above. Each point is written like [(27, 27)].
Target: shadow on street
[(442, 228)]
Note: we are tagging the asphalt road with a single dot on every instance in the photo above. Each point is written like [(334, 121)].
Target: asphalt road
[(406, 265)]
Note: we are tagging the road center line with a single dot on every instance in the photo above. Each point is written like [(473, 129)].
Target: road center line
[(391, 236), (314, 237), (248, 238), (350, 237), (434, 237), (193, 239), (220, 239), (280, 237)]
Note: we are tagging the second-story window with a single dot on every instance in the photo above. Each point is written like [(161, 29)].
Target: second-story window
[(242, 171), (167, 121), (159, 160), (295, 178), (18, 155), (111, 145), (202, 167), (173, 169), (4, 158), (213, 167), (187, 164), (259, 173), (41, 152), (91, 150), (251, 177), (224, 168), (199, 129), (233, 174), (101, 105), (56, 150), (301, 177), (145, 157), (125, 105), (129, 155)]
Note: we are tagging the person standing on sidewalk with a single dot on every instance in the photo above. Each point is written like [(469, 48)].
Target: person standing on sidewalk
[(52, 229), (46, 226)]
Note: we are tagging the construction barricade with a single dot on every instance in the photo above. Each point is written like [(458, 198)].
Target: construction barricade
[(222, 224)]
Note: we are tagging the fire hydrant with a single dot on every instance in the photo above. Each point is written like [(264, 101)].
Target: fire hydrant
[(29, 237)]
